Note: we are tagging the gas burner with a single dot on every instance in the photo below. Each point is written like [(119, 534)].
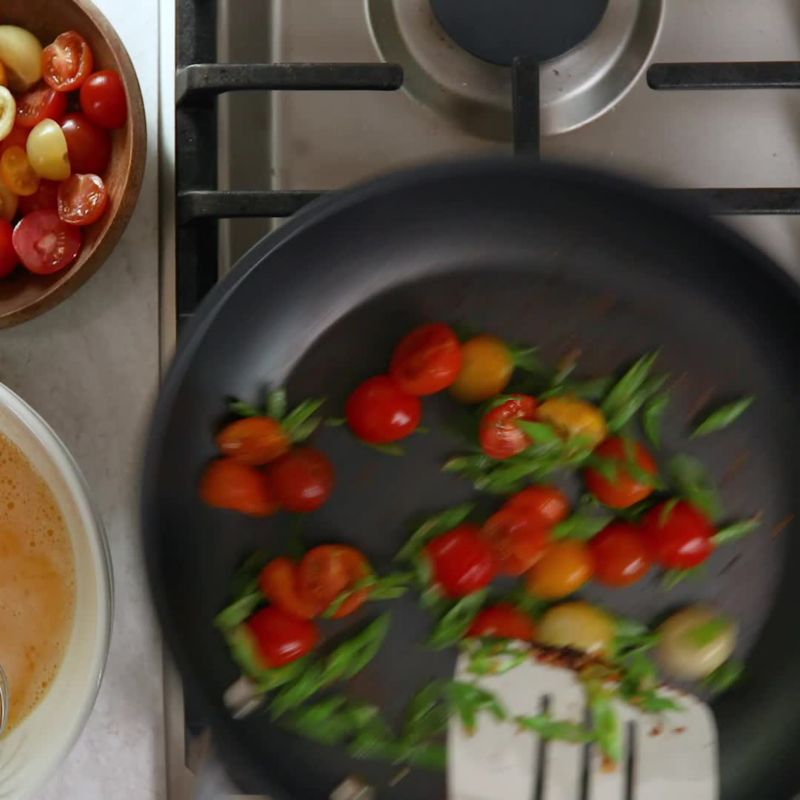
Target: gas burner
[(502, 30), (576, 86)]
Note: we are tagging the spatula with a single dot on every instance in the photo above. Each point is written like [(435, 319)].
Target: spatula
[(669, 756)]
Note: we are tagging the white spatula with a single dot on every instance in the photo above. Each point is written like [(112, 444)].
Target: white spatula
[(670, 756)]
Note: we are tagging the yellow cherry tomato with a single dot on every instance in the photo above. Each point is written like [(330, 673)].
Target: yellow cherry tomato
[(8, 203), (47, 151), (579, 625), (561, 571), (486, 367), (3, 75), (21, 54), (17, 173), (8, 112), (573, 417)]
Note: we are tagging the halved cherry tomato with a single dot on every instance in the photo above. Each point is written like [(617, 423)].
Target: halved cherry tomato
[(67, 62), (624, 489), (546, 504), (47, 151), (103, 99), (678, 537), (516, 539), (462, 561), (17, 173), (8, 203), (280, 637), (229, 485), (620, 554), (499, 435), (46, 196), (17, 138), (40, 103), (561, 571), (8, 112), (503, 621), (302, 479), (253, 440), (426, 360), (279, 582), (8, 256), (486, 367), (82, 199), (330, 569), (88, 145), (45, 244), (379, 411)]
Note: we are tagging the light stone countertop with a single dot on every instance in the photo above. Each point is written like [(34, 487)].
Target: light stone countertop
[(90, 367)]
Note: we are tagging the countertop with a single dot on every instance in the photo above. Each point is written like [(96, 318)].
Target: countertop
[(90, 367)]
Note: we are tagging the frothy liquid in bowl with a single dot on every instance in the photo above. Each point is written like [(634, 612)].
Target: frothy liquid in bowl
[(37, 582)]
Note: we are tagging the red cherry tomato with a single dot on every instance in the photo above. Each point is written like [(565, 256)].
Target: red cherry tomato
[(8, 256), (620, 554), (427, 360), (67, 62), (17, 138), (546, 504), (237, 487), (499, 435), (103, 99), (88, 145), (44, 243), (45, 197), (379, 411), (678, 537), (624, 489), (462, 561), (330, 569), (279, 582), (503, 621), (40, 102), (302, 479), (82, 199), (280, 637), (517, 540), (253, 440)]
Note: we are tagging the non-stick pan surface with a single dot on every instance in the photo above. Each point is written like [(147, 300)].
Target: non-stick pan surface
[(544, 254)]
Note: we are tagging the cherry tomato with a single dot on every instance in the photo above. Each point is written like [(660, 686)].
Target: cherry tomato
[(678, 537), (578, 625), (462, 561), (546, 504), (18, 137), (67, 62), (280, 637), (486, 367), (427, 360), (8, 203), (88, 145), (44, 243), (561, 571), (17, 173), (103, 99), (46, 196), (253, 440), (236, 487), (379, 411), (573, 418), (498, 433), (624, 490), (330, 569), (302, 479), (8, 256), (21, 55), (82, 199), (3, 75), (279, 582), (40, 103), (8, 112), (47, 151), (516, 539), (620, 554), (503, 621)]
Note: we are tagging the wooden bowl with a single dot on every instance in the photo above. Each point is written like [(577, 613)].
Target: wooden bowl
[(24, 295)]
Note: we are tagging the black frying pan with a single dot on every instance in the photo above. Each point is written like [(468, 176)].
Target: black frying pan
[(546, 254)]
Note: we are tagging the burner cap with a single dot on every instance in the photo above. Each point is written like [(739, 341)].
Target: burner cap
[(500, 30)]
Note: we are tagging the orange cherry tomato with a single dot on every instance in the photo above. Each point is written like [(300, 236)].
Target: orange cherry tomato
[(330, 569), (17, 138), (253, 440), (620, 554), (546, 504), (516, 539), (623, 490), (237, 487), (17, 173), (3, 75), (561, 571), (281, 638), (499, 435), (503, 621), (67, 62), (8, 203), (82, 199), (40, 103), (486, 367), (279, 582), (426, 360)]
